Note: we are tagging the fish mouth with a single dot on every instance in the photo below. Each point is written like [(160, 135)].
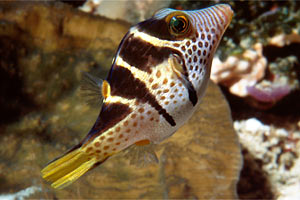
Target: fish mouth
[(226, 11)]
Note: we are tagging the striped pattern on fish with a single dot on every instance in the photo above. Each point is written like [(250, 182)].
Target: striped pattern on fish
[(157, 79)]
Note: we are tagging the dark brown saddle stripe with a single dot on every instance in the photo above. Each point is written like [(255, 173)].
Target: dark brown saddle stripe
[(124, 84)]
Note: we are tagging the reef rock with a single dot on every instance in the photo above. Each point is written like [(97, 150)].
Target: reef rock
[(42, 43), (277, 151), (240, 72), (284, 39)]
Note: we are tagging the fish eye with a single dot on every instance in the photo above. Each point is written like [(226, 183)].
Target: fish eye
[(178, 24)]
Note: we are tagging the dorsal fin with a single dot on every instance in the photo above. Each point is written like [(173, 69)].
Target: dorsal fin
[(91, 89)]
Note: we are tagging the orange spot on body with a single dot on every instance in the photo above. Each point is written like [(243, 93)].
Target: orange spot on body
[(110, 139), (188, 43), (165, 81), (97, 144), (202, 36), (208, 37), (118, 129), (106, 147), (141, 110), (133, 116), (154, 86), (142, 142), (194, 47), (102, 137), (89, 149), (200, 44), (195, 59), (158, 74)]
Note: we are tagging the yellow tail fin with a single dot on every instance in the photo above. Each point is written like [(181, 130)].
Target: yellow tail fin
[(67, 169)]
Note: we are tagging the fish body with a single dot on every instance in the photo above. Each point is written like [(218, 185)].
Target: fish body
[(156, 81)]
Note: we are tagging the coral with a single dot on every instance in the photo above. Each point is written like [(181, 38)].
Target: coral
[(267, 92), (278, 152), (240, 72), (250, 74), (284, 39)]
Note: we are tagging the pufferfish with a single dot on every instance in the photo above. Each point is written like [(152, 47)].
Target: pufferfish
[(158, 76)]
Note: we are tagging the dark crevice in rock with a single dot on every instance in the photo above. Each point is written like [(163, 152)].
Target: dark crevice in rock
[(14, 103), (273, 52), (284, 113), (253, 182), (8, 185), (76, 3)]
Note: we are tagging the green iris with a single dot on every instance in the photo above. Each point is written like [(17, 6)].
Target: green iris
[(178, 24)]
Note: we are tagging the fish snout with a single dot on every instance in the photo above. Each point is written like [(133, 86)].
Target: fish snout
[(214, 19), (223, 14)]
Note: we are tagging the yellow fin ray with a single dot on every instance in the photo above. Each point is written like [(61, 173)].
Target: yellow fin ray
[(68, 168), (74, 175)]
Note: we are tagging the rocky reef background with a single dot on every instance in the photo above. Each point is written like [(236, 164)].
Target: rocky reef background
[(45, 47)]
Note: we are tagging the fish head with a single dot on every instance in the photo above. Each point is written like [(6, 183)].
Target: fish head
[(192, 36)]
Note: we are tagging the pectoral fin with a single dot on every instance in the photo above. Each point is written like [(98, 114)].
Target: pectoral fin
[(91, 89)]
